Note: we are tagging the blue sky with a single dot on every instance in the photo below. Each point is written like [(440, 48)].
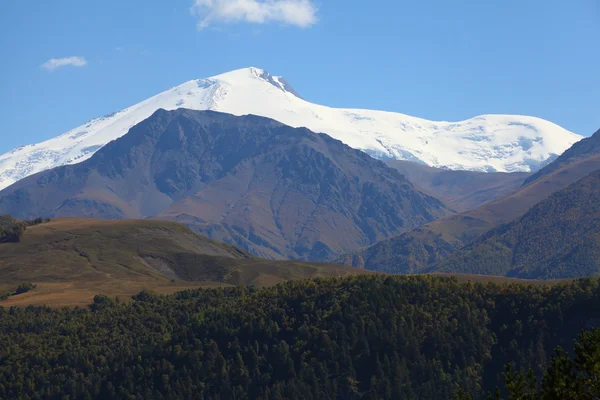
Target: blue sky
[(436, 59)]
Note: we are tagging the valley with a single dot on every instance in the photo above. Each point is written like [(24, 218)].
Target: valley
[(460, 190)]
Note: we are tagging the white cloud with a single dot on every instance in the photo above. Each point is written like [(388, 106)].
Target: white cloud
[(54, 63), (301, 13)]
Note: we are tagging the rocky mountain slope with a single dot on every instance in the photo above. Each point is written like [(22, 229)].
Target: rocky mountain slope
[(461, 190), (585, 151), (483, 143), (273, 190)]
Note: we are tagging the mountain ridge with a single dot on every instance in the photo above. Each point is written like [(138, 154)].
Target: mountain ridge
[(557, 238), (585, 148), (276, 191), (421, 249), (484, 143)]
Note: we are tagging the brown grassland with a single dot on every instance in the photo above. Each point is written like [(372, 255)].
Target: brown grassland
[(71, 260)]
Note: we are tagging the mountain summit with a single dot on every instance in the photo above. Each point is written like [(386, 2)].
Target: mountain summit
[(483, 143), (275, 191)]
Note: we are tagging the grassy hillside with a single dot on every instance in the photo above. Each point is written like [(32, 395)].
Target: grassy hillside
[(73, 259), (87, 249)]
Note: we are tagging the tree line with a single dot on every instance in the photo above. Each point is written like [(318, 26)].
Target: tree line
[(12, 230)]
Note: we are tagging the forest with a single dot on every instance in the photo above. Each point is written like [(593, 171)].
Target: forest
[(557, 238), (12, 229), (362, 337)]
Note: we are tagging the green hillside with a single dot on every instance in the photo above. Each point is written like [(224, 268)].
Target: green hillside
[(558, 238), (425, 247)]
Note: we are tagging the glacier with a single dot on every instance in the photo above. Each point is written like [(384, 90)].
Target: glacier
[(504, 143)]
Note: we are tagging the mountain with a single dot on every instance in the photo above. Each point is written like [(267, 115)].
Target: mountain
[(276, 191), (485, 143), (461, 190), (72, 259), (419, 250), (557, 238), (583, 152)]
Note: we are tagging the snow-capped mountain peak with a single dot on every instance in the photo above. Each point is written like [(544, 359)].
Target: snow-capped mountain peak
[(485, 143)]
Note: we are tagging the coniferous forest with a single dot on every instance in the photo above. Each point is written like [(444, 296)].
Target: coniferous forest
[(363, 337)]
